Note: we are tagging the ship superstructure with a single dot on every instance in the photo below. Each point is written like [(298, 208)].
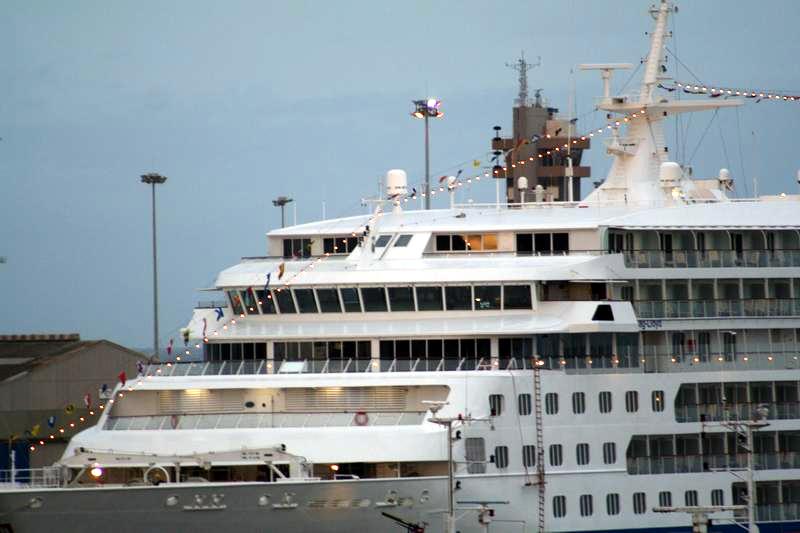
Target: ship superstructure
[(589, 357)]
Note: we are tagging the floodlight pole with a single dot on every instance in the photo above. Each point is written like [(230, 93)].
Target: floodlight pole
[(427, 165), (154, 179)]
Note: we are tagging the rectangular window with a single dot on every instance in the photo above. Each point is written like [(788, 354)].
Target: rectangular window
[(578, 403), (541, 243), (496, 404), (402, 241), (474, 242), (236, 302), (586, 504), (429, 298), (249, 299), (690, 498), (639, 502), (285, 301), (609, 453), (612, 504), (556, 457), (382, 241), (560, 243), (490, 241), (605, 401), (658, 401), (305, 300), (458, 243), (559, 506), (458, 298), (329, 301), (443, 243), (487, 297), (524, 243), (374, 299), (297, 248), (717, 497), (350, 299), (631, 401), (475, 451), (401, 298), (517, 297), (524, 404), (266, 302), (501, 456), (582, 453), (551, 403), (665, 498), (529, 455)]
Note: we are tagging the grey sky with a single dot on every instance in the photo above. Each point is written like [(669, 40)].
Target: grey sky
[(238, 102)]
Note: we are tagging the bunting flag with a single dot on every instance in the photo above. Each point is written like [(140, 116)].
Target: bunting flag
[(185, 333), (169, 347), (266, 285), (476, 163), (220, 314), (123, 378), (205, 325), (35, 430), (441, 179), (87, 400), (69, 409), (139, 369), (51, 421), (281, 270)]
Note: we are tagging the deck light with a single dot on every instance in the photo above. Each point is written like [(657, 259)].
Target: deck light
[(426, 109), (96, 471), (335, 468)]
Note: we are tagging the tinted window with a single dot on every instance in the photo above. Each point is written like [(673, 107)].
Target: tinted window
[(266, 302), (249, 300), (541, 242), (501, 456), (329, 301), (487, 297), (443, 243), (401, 298), (402, 241), (382, 241), (429, 298), (458, 298), (236, 302), (458, 243), (374, 299), (560, 242), (285, 302), (305, 300), (350, 299), (517, 297), (524, 243)]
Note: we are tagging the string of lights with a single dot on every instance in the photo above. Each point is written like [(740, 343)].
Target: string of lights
[(716, 91)]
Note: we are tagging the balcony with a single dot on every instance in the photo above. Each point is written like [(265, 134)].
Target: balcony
[(712, 259), (689, 464), (717, 412), (759, 307)]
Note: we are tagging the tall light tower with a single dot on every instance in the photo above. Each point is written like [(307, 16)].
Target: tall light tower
[(425, 109), (281, 202), (154, 179)]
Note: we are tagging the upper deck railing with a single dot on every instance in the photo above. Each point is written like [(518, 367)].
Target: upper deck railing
[(712, 259), (753, 307)]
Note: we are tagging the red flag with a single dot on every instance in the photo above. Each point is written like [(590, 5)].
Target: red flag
[(87, 400), (122, 378), (169, 347)]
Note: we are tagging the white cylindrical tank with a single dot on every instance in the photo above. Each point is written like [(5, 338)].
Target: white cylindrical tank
[(396, 183), (670, 171), (522, 183), (724, 177), (538, 193)]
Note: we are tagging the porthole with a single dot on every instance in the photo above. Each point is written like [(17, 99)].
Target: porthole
[(249, 404)]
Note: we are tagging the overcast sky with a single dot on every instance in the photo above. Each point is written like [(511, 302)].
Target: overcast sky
[(239, 102)]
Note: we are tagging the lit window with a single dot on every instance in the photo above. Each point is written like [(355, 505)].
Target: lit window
[(487, 297), (658, 400)]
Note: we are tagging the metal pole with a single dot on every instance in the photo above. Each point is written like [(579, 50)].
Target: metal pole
[(283, 219), (451, 518), (155, 278), (751, 492), (427, 166)]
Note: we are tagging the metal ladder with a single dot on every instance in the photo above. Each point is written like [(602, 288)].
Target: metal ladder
[(537, 401)]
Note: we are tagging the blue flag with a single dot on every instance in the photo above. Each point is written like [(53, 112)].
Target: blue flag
[(266, 285), (51, 421), (220, 314)]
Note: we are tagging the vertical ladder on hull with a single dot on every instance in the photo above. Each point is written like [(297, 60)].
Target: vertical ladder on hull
[(537, 402)]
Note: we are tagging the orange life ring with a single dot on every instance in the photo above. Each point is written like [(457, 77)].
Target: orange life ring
[(361, 418)]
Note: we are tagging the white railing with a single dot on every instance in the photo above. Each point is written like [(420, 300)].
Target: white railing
[(46, 477)]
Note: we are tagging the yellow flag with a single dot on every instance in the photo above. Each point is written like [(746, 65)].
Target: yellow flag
[(476, 163), (69, 409), (35, 430)]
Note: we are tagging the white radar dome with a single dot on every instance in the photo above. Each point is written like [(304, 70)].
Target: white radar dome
[(670, 171), (396, 183)]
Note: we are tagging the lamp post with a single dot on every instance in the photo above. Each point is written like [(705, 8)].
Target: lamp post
[(281, 202), (154, 179), (426, 109)]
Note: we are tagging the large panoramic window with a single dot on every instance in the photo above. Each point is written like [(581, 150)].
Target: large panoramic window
[(285, 301), (305, 300), (339, 245), (374, 299), (429, 298), (401, 298), (266, 302), (458, 298), (249, 299), (350, 299), (329, 301), (487, 297)]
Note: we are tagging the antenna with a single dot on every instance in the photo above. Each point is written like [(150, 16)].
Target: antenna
[(522, 68)]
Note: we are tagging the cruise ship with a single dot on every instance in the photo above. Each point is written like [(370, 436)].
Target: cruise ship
[(625, 362)]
